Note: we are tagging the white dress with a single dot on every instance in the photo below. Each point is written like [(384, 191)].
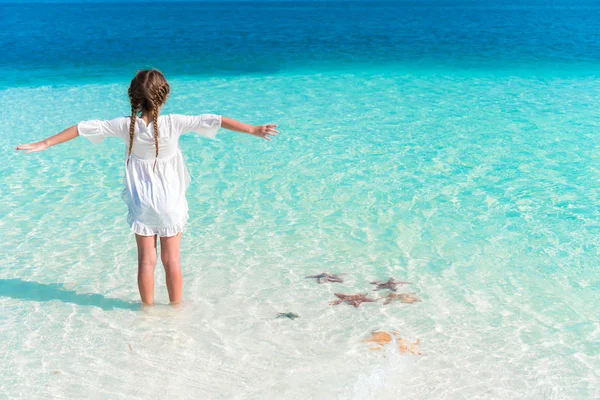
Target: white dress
[(155, 198)]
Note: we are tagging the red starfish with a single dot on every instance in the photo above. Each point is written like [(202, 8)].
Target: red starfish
[(352, 299)]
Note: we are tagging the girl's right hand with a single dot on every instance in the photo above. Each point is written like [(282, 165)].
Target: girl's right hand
[(34, 147)]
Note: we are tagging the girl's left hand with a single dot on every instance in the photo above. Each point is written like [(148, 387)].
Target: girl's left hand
[(34, 147), (264, 131)]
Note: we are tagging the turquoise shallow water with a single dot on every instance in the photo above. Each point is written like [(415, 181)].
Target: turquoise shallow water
[(479, 188)]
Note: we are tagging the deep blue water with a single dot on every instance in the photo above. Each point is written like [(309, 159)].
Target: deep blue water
[(52, 43)]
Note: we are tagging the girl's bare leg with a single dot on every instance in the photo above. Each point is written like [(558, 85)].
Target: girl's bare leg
[(146, 262), (169, 254)]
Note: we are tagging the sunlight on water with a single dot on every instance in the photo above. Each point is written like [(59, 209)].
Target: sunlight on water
[(482, 191)]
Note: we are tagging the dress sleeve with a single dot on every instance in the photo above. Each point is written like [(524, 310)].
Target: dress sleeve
[(95, 130), (205, 125)]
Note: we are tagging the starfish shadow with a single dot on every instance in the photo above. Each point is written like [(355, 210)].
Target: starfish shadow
[(28, 290)]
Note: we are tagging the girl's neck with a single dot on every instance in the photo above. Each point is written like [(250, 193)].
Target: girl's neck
[(147, 117)]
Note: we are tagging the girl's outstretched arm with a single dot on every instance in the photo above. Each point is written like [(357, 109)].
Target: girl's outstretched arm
[(66, 135), (261, 131)]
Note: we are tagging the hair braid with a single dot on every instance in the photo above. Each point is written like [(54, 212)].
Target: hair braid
[(157, 100), (131, 131), (155, 123)]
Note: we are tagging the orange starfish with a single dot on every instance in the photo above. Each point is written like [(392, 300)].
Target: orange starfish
[(407, 298), (381, 338)]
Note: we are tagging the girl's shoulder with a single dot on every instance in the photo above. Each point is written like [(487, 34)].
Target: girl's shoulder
[(203, 124)]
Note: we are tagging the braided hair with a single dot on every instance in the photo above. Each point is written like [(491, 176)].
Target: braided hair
[(147, 92)]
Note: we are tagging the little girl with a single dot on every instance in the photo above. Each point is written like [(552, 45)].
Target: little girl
[(155, 176)]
